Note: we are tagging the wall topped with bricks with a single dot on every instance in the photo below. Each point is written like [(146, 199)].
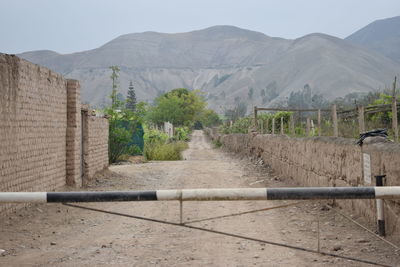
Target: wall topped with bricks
[(326, 161), (40, 129)]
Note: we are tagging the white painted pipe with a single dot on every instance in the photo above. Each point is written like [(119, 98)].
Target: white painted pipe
[(284, 193)]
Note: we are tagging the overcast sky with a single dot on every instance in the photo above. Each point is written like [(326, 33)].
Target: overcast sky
[(76, 25)]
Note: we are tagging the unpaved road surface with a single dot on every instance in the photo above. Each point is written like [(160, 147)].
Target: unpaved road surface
[(58, 235)]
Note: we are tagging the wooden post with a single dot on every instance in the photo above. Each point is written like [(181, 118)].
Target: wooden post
[(312, 127), (255, 117), (361, 120), (282, 132), (266, 126), (273, 125), (335, 121), (394, 113), (292, 124), (319, 122), (308, 126)]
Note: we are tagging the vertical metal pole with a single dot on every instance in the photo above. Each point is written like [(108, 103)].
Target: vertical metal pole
[(335, 121), (282, 132), (380, 208), (319, 122), (394, 113), (318, 234), (181, 211)]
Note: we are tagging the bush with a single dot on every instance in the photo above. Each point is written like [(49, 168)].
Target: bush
[(182, 133), (119, 141), (164, 151)]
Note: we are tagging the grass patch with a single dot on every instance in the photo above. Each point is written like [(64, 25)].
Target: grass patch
[(164, 151)]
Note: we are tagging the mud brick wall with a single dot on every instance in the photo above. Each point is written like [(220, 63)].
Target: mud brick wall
[(33, 122), (41, 132), (95, 145), (74, 131), (326, 161)]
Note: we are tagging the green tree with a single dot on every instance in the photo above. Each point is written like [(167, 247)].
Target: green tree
[(131, 98), (180, 106), (210, 118), (114, 77)]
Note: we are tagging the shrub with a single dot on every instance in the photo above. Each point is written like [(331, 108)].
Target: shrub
[(164, 151), (182, 133)]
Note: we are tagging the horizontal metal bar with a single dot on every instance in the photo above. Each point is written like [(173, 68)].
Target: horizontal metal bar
[(288, 193)]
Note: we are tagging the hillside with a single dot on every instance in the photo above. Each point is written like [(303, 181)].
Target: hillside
[(382, 36), (224, 62)]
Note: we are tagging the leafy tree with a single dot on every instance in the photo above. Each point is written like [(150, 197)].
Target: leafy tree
[(384, 117), (114, 77), (180, 106), (210, 118), (123, 122), (131, 98)]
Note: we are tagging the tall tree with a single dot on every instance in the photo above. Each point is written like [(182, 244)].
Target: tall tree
[(180, 106), (114, 77), (131, 98)]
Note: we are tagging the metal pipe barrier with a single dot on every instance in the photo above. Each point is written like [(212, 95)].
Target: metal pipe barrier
[(223, 194)]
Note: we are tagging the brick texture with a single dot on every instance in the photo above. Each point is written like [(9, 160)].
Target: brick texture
[(95, 145), (73, 141), (33, 118), (40, 131)]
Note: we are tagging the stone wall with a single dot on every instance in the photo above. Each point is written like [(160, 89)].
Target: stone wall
[(95, 145), (40, 130), (326, 161)]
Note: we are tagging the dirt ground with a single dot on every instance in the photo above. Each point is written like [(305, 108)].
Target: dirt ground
[(59, 235)]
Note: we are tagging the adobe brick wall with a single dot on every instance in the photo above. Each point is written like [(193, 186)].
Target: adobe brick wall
[(40, 130), (95, 146), (73, 141), (33, 120), (325, 161)]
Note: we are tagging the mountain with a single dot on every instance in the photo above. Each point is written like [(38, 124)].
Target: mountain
[(227, 63), (382, 36)]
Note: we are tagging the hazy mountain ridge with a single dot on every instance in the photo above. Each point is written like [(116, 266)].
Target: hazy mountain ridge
[(382, 36), (224, 62)]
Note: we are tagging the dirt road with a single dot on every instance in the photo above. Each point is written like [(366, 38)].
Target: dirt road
[(57, 235)]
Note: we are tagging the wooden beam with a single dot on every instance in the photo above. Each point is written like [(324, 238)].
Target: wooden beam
[(319, 122), (394, 113), (291, 109), (361, 120), (335, 121)]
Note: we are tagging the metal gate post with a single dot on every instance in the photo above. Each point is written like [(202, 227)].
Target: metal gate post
[(380, 207)]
